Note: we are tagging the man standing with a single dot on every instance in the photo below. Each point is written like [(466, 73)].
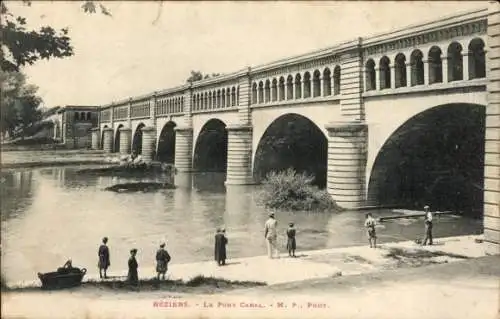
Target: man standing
[(220, 247), (103, 254), (370, 227), (271, 235), (162, 260), (428, 226)]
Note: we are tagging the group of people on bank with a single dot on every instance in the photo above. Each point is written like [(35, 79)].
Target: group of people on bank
[(370, 224), (221, 241), (162, 260)]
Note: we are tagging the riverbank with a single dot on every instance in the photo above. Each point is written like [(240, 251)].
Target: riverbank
[(37, 158), (450, 285), (312, 264)]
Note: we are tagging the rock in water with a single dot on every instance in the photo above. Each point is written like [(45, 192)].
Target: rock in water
[(139, 187)]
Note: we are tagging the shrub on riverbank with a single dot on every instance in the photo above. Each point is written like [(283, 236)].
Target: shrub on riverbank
[(290, 190)]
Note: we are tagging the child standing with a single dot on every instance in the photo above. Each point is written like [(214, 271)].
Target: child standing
[(291, 244)]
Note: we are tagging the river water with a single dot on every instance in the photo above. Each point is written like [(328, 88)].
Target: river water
[(52, 214)]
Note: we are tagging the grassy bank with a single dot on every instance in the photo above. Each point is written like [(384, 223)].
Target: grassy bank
[(289, 190), (197, 285)]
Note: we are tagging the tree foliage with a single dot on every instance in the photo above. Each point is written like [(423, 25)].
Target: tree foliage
[(21, 46), (198, 76), (18, 103)]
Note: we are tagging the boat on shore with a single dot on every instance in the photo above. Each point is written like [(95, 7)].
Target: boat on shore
[(65, 277)]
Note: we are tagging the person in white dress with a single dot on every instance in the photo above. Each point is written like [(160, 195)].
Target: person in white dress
[(271, 235)]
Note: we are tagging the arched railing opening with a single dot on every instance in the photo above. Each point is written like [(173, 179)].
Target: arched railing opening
[(298, 86), (327, 82), (477, 65), (417, 68), (370, 75), (400, 70), (435, 65), (385, 73), (307, 85), (455, 62), (336, 80)]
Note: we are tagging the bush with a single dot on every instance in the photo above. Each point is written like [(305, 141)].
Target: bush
[(290, 190)]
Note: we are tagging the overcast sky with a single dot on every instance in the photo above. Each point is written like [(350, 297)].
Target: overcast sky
[(148, 45)]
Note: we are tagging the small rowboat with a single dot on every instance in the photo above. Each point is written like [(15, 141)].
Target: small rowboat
[(64, 277)]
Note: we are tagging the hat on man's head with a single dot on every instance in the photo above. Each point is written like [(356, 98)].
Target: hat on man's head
[(133, 250), (271, 214), (162, 245), (426, 207), (104, 239)]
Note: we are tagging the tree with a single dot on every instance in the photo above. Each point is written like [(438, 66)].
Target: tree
[(18, 103), (198, 76), (22, 47)]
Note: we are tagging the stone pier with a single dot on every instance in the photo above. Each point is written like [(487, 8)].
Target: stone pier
[(346, 163), (95, 138), (239, 155), (125, 140), (148, 143), (492, 140), (183, 148), (107, 140)]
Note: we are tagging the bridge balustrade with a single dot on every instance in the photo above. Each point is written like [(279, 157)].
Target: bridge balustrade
[(215, 99)]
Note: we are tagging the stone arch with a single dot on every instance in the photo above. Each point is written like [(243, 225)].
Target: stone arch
[(210, 152), (435, 65), (137, 139), (292, 141), (455, 62), (223, 98), (88, 116), (370, 75), (385, 73), (436, 158), (400, 70), (477, 63), (116, 144), (417, 68), (165, 151)]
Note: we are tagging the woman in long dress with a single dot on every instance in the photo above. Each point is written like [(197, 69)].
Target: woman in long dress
[(133, 277)]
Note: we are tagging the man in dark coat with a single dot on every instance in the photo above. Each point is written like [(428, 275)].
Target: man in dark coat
[(220, 247), (162, 260), (133, 277), (103, 254)]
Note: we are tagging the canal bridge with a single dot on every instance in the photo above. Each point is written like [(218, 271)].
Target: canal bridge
[(366, 111)]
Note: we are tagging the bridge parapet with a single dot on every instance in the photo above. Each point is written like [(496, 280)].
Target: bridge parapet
[(452, 49)]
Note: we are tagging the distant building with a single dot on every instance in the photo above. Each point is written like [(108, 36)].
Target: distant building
[(73, 123)]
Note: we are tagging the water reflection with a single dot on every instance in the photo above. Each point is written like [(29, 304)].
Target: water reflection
[(49, 215)]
